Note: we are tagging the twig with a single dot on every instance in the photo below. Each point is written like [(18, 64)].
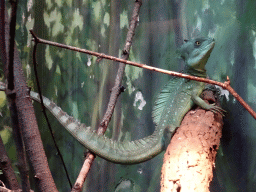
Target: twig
[(225, 85), (116, 90), (102, 55), (78, 186), (10, 77), (45, 115)]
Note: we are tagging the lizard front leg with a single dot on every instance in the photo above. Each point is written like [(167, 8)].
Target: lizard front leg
[(211, 107)]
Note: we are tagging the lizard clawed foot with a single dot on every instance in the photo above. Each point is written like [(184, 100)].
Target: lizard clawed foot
[(216, 109)]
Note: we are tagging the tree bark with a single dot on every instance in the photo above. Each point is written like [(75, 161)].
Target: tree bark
[(21, 106), (190, 157)]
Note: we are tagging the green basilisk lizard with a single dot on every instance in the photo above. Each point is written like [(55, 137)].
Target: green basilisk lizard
[(173, 102)]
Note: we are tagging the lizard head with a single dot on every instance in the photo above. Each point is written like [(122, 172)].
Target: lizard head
[(195, 52)]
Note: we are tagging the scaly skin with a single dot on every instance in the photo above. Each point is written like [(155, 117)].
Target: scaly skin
[(174, 101)]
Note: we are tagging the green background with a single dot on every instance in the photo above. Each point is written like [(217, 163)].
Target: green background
[(81, 86)]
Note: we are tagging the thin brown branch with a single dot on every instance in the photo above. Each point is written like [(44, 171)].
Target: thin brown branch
[(2, 33), (116, 90), (225, 85), (78, 186), (45, 115), (10, 78), (102, 55)]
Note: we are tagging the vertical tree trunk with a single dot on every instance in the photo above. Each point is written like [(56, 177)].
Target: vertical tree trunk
[(22, 107)]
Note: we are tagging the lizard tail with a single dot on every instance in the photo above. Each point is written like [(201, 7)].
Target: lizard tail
[(127, 152)]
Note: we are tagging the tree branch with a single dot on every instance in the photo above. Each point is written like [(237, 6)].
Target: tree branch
[(11, 92), (78, 186), (10, 78), (190, 157), (25, 116), (225, 85), (45, 115), (116, 90)]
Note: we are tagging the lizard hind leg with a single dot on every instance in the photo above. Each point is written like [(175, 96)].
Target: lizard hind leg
[(167, 136)]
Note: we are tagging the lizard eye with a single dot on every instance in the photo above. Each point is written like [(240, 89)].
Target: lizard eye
[(197, 43)]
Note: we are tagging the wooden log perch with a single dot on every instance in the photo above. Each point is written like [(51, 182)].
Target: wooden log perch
[(190, 157)]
